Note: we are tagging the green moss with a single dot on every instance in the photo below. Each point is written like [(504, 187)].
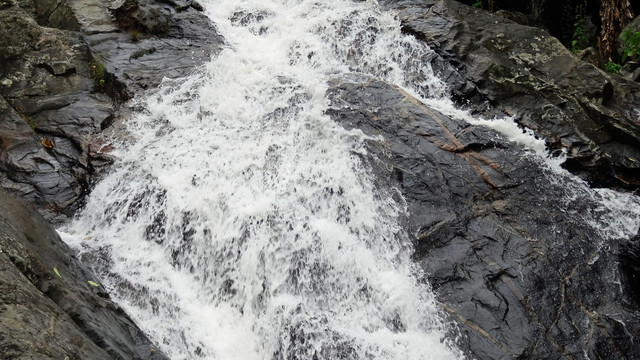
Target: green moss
[(29, 120), (579, 40)]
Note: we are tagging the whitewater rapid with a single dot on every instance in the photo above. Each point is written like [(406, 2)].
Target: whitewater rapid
[(240, 222)]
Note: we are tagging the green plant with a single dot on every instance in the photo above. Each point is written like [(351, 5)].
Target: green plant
[(612, 67), (579, 38), (477, 4), (98, 71), (633, 44)]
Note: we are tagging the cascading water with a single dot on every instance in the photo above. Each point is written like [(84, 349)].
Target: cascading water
[(241, 222)]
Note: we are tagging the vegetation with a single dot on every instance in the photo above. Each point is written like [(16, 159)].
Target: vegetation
[(632, 50), (612, 67), (29, 120), (579, 38), (477, 4), (98, 72), (632, 40)]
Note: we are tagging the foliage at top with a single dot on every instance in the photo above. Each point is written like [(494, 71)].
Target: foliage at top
[(579, 38), (632, 40)]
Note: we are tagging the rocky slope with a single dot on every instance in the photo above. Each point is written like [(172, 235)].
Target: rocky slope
[(520, 275), (51, 306), (524, 72), (505, 247), (65, 69)]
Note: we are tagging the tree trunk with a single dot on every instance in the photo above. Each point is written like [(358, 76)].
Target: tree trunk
[(615, 15)]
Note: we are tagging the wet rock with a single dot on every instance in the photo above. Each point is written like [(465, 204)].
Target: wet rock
[(157, 41), (631, 70), (65, 70), (50, 306), (47, 91), (503, 243), (66, 86), (525, 72)]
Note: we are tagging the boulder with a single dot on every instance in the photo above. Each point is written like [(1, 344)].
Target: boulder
[(47, 92), (51, 306), (526, 73), (502, 241), (156, 41)]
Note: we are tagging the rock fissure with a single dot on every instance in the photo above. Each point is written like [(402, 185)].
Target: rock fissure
[(478, 330)]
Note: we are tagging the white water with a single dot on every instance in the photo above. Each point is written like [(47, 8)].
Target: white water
[(240, 222)]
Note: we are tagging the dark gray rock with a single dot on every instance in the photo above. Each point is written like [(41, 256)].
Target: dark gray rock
[(631, 70), (168, 45), (525, 72), (504, 246), (48, 307), (66, 86), (47, 91)]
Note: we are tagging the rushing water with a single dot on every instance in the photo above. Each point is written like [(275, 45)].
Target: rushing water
[(239, 221)]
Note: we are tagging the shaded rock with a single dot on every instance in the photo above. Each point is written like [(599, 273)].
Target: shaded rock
[(591, 56), (503, 243), (631, 70), (525, 72), (517, 17), (134, 15), (48, 308)]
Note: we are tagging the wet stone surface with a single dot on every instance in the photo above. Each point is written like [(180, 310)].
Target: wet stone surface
[(524, 72), (503, 245), (65, 71), (51, 306)]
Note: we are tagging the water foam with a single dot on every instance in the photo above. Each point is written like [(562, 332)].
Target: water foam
[(241, 223)]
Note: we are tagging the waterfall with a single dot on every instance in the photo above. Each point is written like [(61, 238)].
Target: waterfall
[(240, 222)]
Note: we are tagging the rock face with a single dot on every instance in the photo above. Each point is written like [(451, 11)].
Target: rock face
[(49, 309), (511, 264), (65, 68), (524, 72), (65, 84)]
